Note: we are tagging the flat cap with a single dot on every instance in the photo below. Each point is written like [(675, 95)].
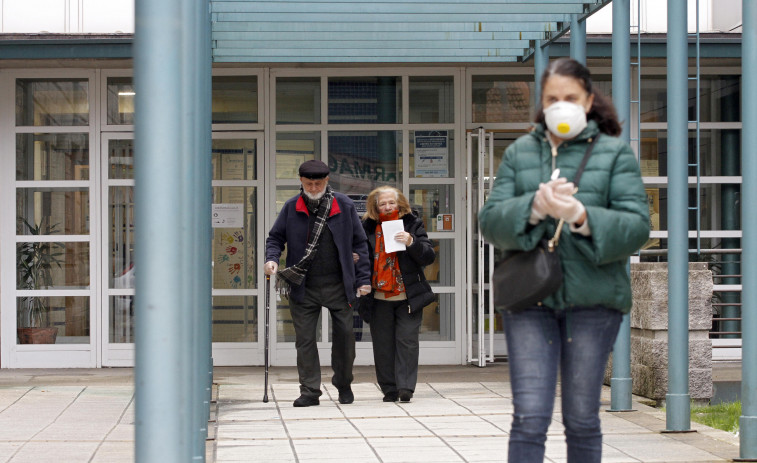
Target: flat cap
[(314, 169)]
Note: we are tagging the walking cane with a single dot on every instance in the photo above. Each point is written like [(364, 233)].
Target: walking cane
[(267, 310)]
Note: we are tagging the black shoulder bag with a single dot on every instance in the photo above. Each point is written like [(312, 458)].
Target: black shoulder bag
[(523, 278)]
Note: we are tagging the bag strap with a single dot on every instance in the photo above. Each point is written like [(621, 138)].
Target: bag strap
[(553, 242)]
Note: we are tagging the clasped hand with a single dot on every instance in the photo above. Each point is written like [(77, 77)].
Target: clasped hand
[(555, 198)]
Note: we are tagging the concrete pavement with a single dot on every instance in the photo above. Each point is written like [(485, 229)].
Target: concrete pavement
[(459, 413)]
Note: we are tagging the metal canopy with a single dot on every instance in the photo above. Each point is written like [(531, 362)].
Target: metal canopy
[(315, 31)]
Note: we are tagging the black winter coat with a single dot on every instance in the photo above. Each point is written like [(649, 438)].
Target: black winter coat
[(411, 261)]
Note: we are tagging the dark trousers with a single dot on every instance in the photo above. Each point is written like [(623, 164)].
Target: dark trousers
[(329, 294), (395, 334)]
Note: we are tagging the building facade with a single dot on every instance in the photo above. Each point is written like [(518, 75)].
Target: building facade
[(67, 184)]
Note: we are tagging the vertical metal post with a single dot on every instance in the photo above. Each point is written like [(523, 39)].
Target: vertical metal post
[(578, 39), (541, 61), (201, 192), (748, 419), (678, 399), (620, 383), (188, 226), (161, 408)]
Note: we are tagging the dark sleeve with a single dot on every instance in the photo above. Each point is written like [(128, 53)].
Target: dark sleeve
[(274, 245), (421, 250), (360, 247)]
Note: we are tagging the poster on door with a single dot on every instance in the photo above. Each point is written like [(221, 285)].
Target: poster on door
[(431, 153)]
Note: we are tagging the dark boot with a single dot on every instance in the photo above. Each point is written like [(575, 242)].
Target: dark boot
[(306, 401)]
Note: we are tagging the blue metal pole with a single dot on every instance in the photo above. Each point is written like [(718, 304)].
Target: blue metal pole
[(748, 419), (202, 378), (161, 409), (188, 226), (541, 61), (578, 39), (620, 383), (197, 132), (678, 398)]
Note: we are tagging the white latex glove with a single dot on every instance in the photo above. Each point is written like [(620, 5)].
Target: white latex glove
[(562, 206), (539, 208), (270, 267)]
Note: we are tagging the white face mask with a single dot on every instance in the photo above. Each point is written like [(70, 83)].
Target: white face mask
[(565, 120)]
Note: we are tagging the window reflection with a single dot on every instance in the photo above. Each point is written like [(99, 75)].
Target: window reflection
[(361, 161)]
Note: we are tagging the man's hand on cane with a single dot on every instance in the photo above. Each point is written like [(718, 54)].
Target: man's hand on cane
[(270, 267)]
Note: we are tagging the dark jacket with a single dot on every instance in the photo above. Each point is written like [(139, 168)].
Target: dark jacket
[(411, 261), (291, 229), (611, 189)]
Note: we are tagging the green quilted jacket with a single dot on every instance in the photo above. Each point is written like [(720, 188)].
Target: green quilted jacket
[(594, 267)]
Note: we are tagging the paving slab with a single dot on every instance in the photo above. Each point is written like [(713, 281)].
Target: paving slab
[(458, 414)]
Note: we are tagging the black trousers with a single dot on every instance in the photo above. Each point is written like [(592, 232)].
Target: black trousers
[(395, 333), (328, 293)]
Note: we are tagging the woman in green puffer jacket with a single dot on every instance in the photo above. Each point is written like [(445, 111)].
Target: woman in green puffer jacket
[(606, 220)]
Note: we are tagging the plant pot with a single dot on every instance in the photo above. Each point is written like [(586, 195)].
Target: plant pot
[(37, 335)]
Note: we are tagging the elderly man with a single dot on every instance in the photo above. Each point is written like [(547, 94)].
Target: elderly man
[(326, 265)]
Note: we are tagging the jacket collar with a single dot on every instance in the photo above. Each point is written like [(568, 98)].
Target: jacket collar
[(301, 207)]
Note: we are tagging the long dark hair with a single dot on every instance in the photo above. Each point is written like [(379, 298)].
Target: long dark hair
[(602, 111)]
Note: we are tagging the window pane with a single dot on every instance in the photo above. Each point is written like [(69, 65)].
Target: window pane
[(235, 319), (52, 211), (439, 319), (283, 193), (719, 207), (442, 271), (234, 159), (235, 263), (432, 100), (51, 102), (122, 236), (298, 100), (294, 148), (502, 98), (235, 99), (433, 153), (121, 329), (365, 100), (68, 315), (719, 99), (361, 161), (120, 100), (52, 156), (433, 201), (719, 153), (121, 159), (49, 265)]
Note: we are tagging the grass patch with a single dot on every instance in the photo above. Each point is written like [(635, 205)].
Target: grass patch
[(723, 416)]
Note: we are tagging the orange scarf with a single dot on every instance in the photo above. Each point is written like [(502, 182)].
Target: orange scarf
[(386, 270)]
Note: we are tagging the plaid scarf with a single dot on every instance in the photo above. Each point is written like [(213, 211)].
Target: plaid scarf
[(294, 275)]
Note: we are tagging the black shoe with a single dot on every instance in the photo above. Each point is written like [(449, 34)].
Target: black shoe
[(306, 401), (390, 396), (345, 395), (405, 395)]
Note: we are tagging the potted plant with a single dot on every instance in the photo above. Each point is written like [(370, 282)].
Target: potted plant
[(34, 264)]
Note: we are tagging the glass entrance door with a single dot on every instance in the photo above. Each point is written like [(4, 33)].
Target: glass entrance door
[(485, 333), (236, 221)]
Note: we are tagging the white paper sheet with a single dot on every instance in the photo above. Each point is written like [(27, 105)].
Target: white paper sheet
[(391, 228)]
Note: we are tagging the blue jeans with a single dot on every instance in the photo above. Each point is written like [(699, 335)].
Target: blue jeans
[(540, 340)]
